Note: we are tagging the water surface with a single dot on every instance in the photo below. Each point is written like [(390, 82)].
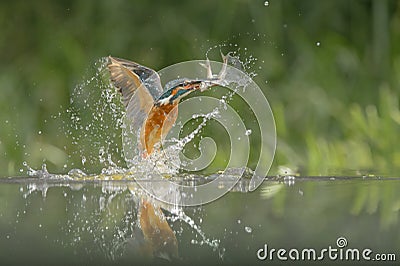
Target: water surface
[(91, 221)]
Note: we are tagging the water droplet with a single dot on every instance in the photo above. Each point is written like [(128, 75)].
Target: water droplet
[(238, 221), (266, 3), (248, 229), (40, 132), (248, 132), (318, 43)]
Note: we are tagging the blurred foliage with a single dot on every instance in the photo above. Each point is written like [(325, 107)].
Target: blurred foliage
[(332, 70)]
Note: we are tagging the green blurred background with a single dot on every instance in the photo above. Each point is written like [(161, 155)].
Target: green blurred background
[(330, 69)]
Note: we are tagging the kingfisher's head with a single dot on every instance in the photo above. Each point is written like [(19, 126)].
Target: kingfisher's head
[(177, 92)]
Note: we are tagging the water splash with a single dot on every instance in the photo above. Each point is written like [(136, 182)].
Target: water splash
[(108, 217), (179, 215), (95, 119), (244, 58)]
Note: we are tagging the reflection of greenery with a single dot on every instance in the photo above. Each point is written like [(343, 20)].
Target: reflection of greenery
[(366, 196), (383, 199), (332, 70), (275, 191), (271, 190)]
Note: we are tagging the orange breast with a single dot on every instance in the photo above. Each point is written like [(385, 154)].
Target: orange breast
[(156, 231), (158, 124)]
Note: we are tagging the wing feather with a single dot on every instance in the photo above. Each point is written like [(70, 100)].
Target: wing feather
[(139, 86), (128, 76)]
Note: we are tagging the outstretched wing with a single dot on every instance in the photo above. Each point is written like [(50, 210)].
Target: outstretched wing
[(128, 76), (139, 86)]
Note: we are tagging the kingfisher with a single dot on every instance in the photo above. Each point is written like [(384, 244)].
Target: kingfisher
[(154, 111), (150, 108)]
